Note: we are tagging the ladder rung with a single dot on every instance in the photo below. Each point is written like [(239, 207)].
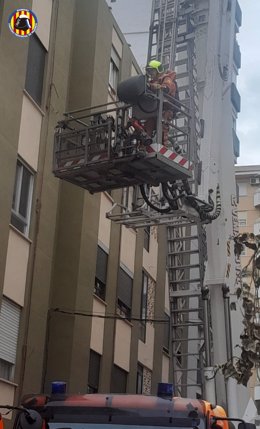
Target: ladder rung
[(174, 282), (187, 310), (185, 354), (182, 252), (189, 385), (187, 369), (190, 237), (182, 340), (182, 224), (181, 62), (181, 325), (180, 267), (185, 293)]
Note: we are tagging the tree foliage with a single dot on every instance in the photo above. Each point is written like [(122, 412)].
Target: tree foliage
[(241, 368)]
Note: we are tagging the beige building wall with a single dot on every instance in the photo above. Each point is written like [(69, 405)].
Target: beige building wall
[(150, 257), (43, 12), (146, 350), (122, 344), (17, 256), (26, 147), (30, 130), (127, 253), (97, 328), (104, 229), (7, 392), (165, 368)]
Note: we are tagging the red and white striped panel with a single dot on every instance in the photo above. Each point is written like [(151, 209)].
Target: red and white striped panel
[(75, 163), (173, 156)]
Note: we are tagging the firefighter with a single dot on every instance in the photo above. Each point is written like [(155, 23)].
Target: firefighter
[(166, 81)]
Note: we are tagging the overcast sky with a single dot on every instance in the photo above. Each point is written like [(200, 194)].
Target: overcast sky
[(248, 83), (248, 124)]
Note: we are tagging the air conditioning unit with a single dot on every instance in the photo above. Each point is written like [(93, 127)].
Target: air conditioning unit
[(255, 180)]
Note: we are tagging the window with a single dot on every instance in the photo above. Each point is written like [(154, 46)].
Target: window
[(242, 189), (139, 379), (242, 219), (147, 232), (143, 310), (93, 372), (257, 227), (22, 198), (118, 380), (114, 69), (124, 293), (35, 69), (101, 274), (166, 334), (9, 327)]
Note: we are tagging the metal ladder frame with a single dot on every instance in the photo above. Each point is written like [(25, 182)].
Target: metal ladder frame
[(191, 339)]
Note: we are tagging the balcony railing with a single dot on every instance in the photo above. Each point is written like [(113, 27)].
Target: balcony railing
[(238, 15), (237, 55), (235, 98), (236, 144)]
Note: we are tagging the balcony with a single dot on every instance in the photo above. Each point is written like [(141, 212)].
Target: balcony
[(257, 198), (236, 144), (257, 227), (235, 98), (238, 15), (237, 55)]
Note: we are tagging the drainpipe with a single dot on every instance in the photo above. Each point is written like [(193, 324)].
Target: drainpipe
[(208, 372), (231, 383)]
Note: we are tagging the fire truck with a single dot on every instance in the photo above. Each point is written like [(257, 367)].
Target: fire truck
[(109, 411)]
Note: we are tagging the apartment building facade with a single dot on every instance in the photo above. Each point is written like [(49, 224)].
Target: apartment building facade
[(75, 288), (248, 183)]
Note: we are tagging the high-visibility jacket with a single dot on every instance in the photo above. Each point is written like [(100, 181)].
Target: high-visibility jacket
[(167, 82)]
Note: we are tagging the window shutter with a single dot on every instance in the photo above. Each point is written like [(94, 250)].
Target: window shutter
[(94, 369), (125, 284), (115, 57), (118, 380), (101, 267), (9, 327)]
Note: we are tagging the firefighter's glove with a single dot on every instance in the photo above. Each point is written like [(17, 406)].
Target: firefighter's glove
[(155, 86)]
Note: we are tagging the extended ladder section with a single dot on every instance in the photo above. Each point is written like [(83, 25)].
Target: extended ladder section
[(172, 40)]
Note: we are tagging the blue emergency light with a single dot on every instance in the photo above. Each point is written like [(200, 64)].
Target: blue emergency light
[(58, 387), (165, 390)]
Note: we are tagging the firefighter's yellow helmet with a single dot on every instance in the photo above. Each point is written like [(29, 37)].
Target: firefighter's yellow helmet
[(155, 65)]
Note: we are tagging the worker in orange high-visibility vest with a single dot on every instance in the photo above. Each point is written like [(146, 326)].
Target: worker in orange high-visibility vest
[(159, 79), (1, 422)]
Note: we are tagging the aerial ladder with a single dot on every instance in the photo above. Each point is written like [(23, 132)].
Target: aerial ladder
[(104, 147), (172, 40)]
